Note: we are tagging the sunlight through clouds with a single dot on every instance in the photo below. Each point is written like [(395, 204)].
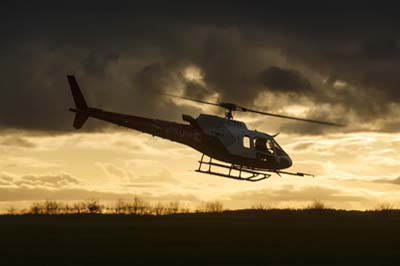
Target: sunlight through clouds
[(129, 163)]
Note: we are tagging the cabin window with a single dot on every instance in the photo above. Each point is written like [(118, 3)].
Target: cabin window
[(246, 142)]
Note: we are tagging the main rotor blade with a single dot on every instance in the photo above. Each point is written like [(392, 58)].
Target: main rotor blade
[(293, 118), (234, 107), (190, 99)]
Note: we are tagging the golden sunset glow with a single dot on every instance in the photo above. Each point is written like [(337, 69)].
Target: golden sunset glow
[(120, 164)]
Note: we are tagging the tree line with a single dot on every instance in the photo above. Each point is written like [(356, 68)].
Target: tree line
[(136, 206)]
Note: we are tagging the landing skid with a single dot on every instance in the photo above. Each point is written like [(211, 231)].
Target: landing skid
[(242, 172), (250, 174)]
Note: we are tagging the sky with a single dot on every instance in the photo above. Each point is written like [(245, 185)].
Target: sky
[(336, 61)]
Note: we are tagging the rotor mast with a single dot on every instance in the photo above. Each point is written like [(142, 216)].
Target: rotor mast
[(229, 108), (228, 114)]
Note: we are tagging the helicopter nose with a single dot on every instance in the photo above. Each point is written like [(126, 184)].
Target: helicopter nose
[(286, 162)]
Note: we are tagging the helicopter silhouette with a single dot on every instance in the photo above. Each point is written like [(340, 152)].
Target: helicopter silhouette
[(248, 155)]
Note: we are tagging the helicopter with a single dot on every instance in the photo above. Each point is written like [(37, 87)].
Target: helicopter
[(232, 149)]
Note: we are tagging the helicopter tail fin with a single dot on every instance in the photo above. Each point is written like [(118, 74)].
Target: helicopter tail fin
[(80, 103)]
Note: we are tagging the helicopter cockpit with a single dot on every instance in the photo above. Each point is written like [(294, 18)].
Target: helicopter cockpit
[(263, 145), (267, 149)]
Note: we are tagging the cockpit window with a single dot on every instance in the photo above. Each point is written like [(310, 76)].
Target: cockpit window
[(264, 145), (278, 148), (270, 146), (276, 145), (260, 144)]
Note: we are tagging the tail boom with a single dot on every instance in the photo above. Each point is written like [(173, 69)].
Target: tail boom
[(186, 134)]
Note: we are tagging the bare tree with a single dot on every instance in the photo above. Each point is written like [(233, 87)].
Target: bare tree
[(214, 206), (211, 206), (159, 209), (172, 207), (12, 210), (78, 207), (138, 206), (121, 207), (36, 208), (51, 207)]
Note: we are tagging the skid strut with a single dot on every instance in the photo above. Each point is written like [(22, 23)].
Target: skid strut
[(250, 174)]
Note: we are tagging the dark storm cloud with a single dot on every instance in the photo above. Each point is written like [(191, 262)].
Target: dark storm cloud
[(196, 90), (125, 54), (96, 64), (284, 80)]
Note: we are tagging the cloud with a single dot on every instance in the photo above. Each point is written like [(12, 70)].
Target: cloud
[(291, 193), (16, 141), (26, 161), (161, 177), (115, 172), (284, 80), (66, 187), (241, 50), (302, 146), (35, 194), (54, 181), (395, 181)]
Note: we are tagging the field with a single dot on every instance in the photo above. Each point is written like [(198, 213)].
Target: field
[(275, 237)]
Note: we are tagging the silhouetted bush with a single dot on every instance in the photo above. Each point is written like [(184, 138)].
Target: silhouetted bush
[(93, 206), (385, 207), (12, 211), (316, 205), (259, 207)]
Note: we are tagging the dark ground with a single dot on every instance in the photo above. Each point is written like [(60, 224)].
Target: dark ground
[(232, 238)]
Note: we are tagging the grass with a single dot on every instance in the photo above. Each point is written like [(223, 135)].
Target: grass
[(246, 237)]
